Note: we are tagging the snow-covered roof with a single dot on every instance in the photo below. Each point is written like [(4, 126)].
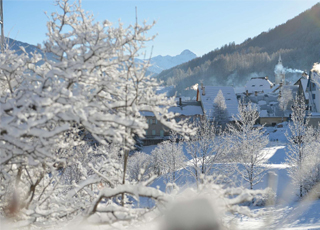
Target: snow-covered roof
[(211, 93), (262, 102), (273, 103), (187, 108), (258, 84), (263, 113)]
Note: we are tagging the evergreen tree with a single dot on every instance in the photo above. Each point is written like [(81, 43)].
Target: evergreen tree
[(220, 113)]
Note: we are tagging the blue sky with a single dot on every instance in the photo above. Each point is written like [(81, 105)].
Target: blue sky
[(200, 26)]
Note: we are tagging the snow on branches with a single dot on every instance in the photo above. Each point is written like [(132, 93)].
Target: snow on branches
[(92, 81), (303, 149), (246, 140)]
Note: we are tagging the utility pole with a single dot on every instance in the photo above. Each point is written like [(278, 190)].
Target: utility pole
[(1, 22)]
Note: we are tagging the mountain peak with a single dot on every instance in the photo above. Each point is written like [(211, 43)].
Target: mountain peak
[(187, 52)]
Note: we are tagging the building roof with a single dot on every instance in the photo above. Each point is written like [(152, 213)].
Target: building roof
[(303, 81), (187, 108), (211, 93), (268, 104), (258, 84)]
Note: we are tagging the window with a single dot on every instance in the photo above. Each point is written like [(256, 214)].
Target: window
[(153, 132), (313, 96), (253, 85), (146, 132), (161, 133)]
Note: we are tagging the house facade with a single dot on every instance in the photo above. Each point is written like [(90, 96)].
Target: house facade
[(313, 91), (157, 132)]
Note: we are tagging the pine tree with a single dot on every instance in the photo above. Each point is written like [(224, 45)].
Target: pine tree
[(220, 113), (284, 99)]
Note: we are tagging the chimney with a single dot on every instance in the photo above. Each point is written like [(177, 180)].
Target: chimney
[(267, 78), (180, 101), (281, 84), (304, 74), (204, 91), (201, 85), (255, 93), (247, 93)]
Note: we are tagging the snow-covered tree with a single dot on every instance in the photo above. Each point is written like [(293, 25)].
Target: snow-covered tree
[(220, 112), (100, 69), (284, 98), (13, 67), (203, 150), (245, 142), (310, 165), (300, 137), (168, 159), (93, 82), (140, 166)]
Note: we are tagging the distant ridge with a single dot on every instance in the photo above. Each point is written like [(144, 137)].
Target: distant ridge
[(15, 45), (297, 40), (160, 63)]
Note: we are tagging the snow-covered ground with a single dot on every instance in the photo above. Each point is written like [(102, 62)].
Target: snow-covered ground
[(288, 212)]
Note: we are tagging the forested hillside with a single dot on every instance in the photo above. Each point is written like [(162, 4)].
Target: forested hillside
[(298, 42)]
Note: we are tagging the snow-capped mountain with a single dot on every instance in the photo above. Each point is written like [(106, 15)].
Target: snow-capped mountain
[(15, 45), (160, 63)]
